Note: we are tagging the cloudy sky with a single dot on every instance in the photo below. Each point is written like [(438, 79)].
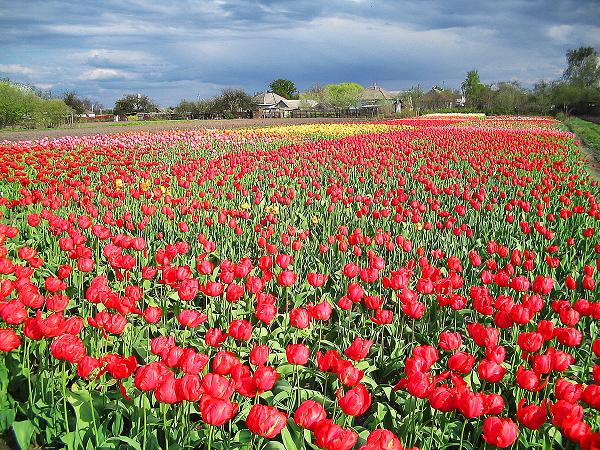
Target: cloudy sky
[(171, 50)]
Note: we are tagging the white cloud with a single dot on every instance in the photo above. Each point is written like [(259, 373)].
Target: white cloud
[(560, 33), (118, 56), (44, 86), (103, 74), (16, 69)]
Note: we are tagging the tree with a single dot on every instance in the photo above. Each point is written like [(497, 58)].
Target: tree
[(186, 107), (315, 93), (474, 90), (412, 98), (539, 100), (583, 69), (74, 102), (234, 100), (22, 106), (134, 103), (509, 98), (438, 99), (285, 88), (343, 95), (579, 90)]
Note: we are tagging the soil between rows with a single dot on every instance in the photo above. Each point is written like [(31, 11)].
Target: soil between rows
[(111, 128)]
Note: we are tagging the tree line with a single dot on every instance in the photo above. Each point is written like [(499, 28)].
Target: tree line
[(576, 92), (22, 105)]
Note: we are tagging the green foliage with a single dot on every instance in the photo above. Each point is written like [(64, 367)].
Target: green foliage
[(21, 106), (315, 93), (474, 90), (588, 132), (343, 95), (583, 68), (23, 431), (233, 100), (509, 98), (74, 102), (577, 92), (285, 88), (133, 104)]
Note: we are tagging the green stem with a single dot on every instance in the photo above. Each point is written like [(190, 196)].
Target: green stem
[(462, 433), (165, 427), (210, 436), (64, 393), (142, 401)]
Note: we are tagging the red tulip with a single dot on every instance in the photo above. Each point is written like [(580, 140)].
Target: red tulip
[(264, 378), (471, 404), (450, 341), (68, 347), (348, 374), (166, 391), (356, 401), (461, 362), (309, 414), (359, 348), (119, 366), (530, 342), (9, 340), (148, 377), (152, 314), (321, 311), (328, 362), (217, 411), (286, 278), (224, 362), (188, 387), (591, 395), (259, 355), (490, 371), (331, 436), (217, 386), (87, 365), (240, 330), (316, 279), (266, 421), (299, 318), (297, 354), (443, 399), (215, 337), (531, 416), (500, 432)]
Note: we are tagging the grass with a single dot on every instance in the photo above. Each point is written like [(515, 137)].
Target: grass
[(588, 132), (99, 124)]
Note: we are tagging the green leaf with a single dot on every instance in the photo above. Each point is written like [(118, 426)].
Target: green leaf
[(130, 442), (23, 431), (289, 442), (274, 445)]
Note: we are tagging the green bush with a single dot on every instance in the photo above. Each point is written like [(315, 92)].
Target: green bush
[(20, 106)]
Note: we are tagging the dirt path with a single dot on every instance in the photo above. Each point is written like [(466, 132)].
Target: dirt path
[(111, 128)]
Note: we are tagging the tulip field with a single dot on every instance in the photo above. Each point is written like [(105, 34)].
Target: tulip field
[(425, 283)]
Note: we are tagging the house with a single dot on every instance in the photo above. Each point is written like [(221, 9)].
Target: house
[(267, 103), (438, 98), (379, 101), (273, 105)]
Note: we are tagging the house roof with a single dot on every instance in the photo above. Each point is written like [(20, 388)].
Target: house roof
[(288, 104), (376, 93), (267, 99)]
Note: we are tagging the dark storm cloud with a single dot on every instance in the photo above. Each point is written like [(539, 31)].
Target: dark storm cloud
[(183, 49)]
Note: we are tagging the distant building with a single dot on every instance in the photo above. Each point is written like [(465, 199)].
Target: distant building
[(438, 98), (379, 101), (274, 105)]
